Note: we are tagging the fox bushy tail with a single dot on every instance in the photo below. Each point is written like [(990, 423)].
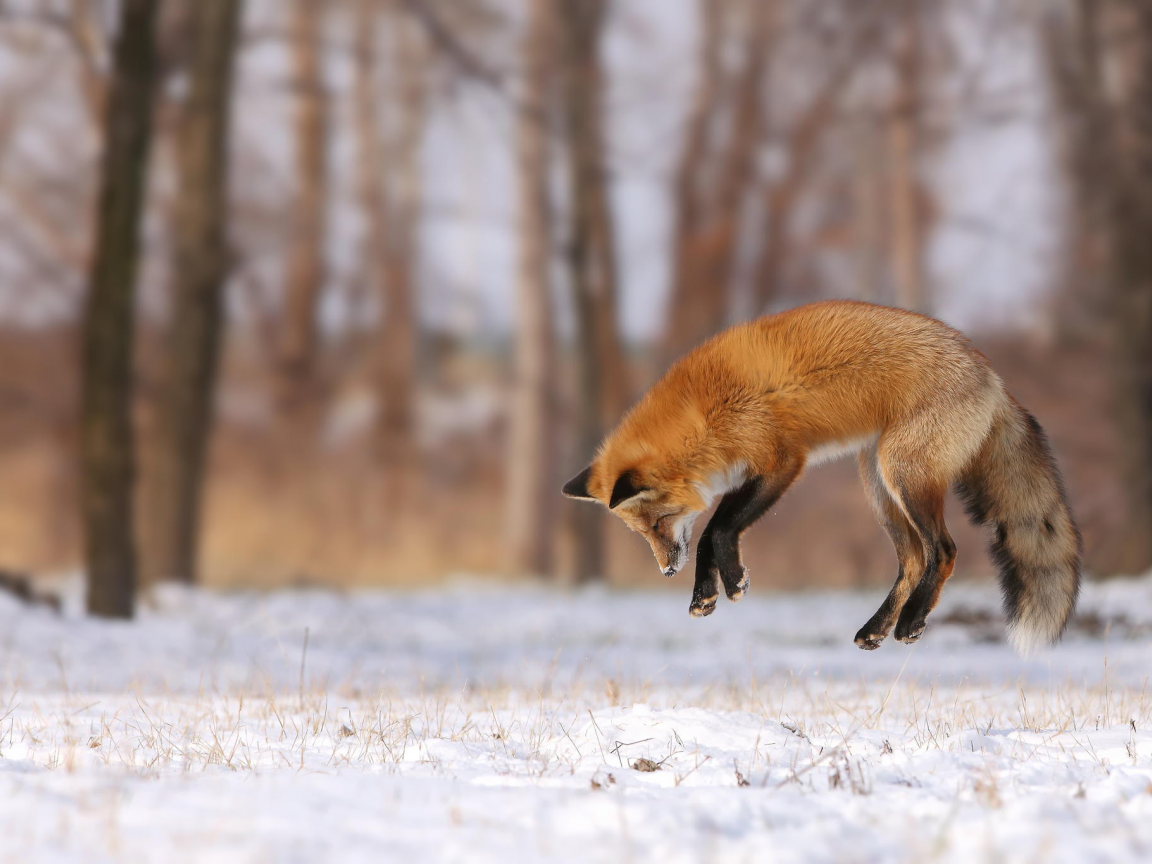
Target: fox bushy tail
[(1014, 484)]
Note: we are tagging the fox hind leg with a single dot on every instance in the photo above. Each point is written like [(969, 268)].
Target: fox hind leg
[(911, 466), (909, 553), (922, 502), (942, 551)]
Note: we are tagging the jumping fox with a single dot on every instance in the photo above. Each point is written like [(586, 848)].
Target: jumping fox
[(739, 418)]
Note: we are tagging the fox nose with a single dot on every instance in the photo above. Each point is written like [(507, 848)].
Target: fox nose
[(670, 571)]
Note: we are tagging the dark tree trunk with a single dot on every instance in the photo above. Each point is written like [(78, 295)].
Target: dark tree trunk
[(694, 310), (1107, 131), (785, 193), (904, 143), (107, 457), (531, 454), (199, 270), (1131, 292), (1073, 57), (712, 187), (396, 366), (590, 255), (306, 266)]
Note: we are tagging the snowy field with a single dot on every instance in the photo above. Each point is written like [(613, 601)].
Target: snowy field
[(519, 724)]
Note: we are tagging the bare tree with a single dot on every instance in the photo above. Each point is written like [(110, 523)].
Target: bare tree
[(81, 24), (867, 201), (1074, 58), (904, 147), (396, 349), (1104, 96), (591, 256), (783, 193), (1130, 211), (531, 451), (371, 165), (306, 266), (702, 238), (199, 270), (718, 178), (107, 449)]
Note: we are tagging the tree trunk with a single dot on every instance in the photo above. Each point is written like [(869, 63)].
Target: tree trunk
[(199, 270), (370, 160), (1132, 306), (590, 254), (712, 188), (1074, 63), (531, 451), (306, 267), (83, 26), (867, 207), (907, 234), (107, 457), (397, 346), (695, 308), (1107, 130), (785, 192), (1131, 293), (737, 169)]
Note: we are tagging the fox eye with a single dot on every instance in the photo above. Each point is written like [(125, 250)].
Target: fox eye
[(656, 524)]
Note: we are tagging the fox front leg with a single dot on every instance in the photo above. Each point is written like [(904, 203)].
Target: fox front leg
[(718, 555), (728, 566), (710, 574), (705, 590)]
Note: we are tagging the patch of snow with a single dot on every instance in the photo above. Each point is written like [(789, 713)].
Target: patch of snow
[(528, 724)]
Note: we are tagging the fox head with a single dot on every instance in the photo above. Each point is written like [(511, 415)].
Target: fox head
[(661, 509)]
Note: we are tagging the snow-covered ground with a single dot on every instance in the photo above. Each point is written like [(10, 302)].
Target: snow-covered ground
[(515, 724)]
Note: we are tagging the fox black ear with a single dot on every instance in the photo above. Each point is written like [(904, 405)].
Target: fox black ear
[(627, 486), (577, 487)]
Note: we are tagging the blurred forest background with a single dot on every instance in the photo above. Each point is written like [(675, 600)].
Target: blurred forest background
[(341, 291)]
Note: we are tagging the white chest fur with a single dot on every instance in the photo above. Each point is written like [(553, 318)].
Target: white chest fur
[(722, 481)]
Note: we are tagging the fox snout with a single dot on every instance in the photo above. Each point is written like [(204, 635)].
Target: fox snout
[(675, 559), (672, 551)]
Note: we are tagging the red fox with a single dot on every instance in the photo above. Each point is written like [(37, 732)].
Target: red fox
[(738, 418)]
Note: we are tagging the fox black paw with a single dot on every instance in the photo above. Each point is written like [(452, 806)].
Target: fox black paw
[(736, 588), (909, 633), (868, 640), (702, 607)]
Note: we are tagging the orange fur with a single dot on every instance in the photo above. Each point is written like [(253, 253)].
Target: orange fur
[(762, 399), (788, 383)]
